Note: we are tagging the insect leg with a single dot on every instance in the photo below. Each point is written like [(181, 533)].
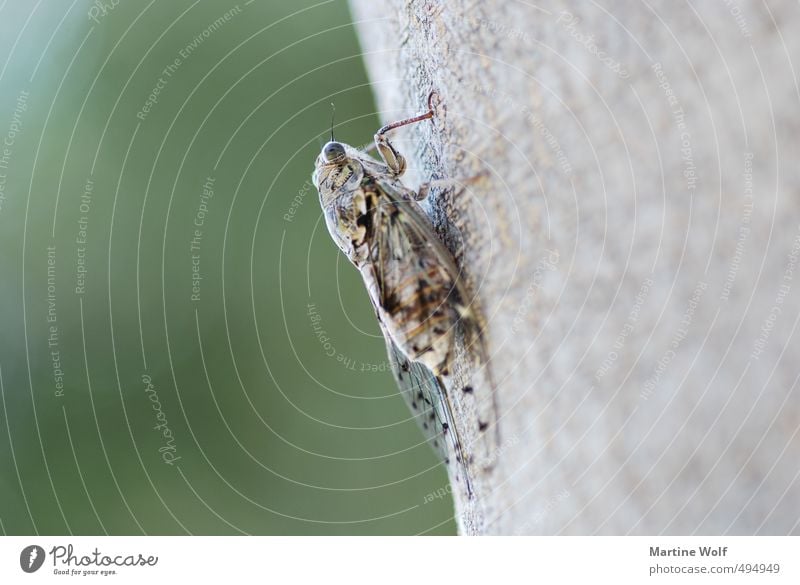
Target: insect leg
[(425, 188), (393, 159)]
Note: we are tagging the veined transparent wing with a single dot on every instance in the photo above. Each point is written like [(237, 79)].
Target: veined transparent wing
[(426, 397)]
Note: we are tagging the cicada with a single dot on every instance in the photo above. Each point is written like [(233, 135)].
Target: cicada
[(419, 295)]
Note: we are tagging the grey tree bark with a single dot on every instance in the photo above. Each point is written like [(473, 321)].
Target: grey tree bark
[(634, 247)]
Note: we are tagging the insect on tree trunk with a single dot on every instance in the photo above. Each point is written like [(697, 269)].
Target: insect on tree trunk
[(634, 247)]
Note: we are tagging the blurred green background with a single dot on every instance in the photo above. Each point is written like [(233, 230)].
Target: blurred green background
[(146, 144)]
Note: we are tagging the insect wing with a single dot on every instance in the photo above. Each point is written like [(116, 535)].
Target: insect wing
[(415, 278), (420, 390), (409, 236), (425, 397), (415, 232)]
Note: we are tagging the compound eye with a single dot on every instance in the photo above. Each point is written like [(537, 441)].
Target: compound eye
[(332, 151)]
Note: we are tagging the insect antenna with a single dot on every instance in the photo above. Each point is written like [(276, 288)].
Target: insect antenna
[(333, 113)]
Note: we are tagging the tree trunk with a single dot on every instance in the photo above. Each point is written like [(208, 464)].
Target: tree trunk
[(634, 247)]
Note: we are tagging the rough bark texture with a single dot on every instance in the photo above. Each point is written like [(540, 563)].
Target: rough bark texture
[(635, 249)]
